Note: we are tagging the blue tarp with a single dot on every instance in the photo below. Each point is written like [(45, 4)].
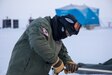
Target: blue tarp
[(84, 14)]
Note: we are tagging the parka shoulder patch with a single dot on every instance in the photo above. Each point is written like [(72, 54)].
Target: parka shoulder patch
[(44, 32)]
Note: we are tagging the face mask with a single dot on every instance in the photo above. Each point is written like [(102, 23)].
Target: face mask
[(70, 23)]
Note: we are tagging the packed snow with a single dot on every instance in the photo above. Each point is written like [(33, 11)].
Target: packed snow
[(90, 46)]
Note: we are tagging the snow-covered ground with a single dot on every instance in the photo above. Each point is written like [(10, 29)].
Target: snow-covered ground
[(90, 46)]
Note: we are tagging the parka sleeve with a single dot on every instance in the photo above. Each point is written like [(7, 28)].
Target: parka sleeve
[(63, 54), (40, 44)]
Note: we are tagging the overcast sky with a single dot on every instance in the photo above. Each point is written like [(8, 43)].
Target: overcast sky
[(23, 9)]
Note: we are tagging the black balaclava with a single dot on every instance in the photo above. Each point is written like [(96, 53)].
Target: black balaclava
[(60, 24), (58, 30), (69, 22)]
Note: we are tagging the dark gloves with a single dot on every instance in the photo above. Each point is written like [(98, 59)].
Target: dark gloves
[(58, 66), (71, 67)]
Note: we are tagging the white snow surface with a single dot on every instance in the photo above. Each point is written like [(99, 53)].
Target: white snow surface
[(89, 46)]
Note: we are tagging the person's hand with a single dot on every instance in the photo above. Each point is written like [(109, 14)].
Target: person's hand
[(71, 67), (58, 66)]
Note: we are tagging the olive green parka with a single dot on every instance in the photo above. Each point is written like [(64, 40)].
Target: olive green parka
[(36, 51)]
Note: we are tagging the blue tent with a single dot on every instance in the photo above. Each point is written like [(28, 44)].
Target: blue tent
[(84, 14)]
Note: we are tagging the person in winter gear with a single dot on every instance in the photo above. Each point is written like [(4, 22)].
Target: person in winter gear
[(40, 47)]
